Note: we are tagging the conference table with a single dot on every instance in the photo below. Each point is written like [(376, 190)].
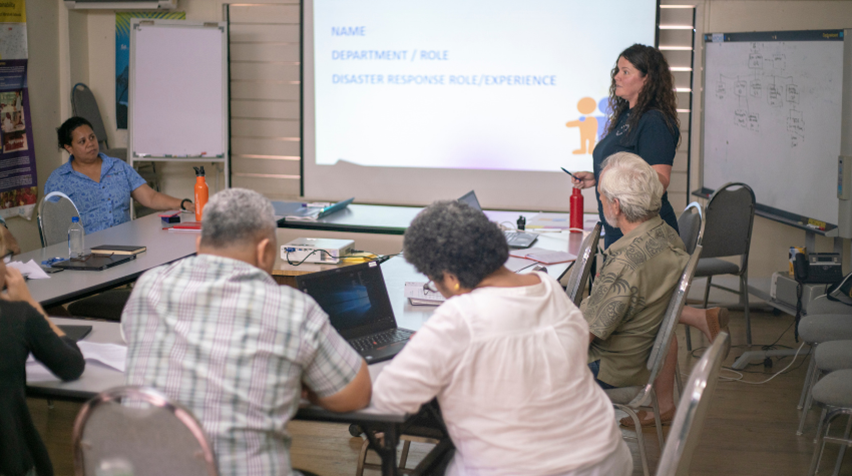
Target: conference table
[(65, 286), (164, 247), (98, 377)]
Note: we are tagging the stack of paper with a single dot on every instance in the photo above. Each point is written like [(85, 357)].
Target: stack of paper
[(30, 269), (543, 256)]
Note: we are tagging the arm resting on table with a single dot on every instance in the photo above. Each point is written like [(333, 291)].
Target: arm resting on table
[(59, 354), (354, 396), (151, 198)]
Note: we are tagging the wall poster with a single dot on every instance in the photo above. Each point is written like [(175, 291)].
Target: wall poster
[(18, 180)]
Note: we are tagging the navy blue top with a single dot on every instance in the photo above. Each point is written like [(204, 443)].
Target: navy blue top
[(653, 141)]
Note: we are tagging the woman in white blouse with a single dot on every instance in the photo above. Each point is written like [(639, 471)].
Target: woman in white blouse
[(505, 356)]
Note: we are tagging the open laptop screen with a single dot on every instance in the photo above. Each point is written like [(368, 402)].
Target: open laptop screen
[(470, 199), (354, 297)]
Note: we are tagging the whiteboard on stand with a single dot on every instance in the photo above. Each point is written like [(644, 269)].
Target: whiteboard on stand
[(178, 90)]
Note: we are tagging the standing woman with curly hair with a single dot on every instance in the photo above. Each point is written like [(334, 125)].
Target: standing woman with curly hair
[(644, 121)]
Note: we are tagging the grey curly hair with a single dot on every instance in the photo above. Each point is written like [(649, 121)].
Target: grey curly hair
[(234, 216)]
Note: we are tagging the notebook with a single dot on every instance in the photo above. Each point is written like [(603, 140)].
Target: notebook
[(118, 249), (358, 306), (516, 239), (93, 262)]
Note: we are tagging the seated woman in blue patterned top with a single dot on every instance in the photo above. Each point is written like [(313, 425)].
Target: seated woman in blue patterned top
[(101, 186)]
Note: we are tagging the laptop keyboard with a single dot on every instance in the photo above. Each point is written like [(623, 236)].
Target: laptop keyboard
[(390, 336)]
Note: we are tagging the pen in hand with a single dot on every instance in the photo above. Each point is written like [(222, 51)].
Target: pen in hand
[(569, 173), (577, 182)]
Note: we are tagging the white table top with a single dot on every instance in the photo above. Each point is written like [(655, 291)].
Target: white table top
[(163, 247)]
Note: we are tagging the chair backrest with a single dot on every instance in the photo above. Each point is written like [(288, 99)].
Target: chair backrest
[(54, 217), (692, 410), (691, 226), (729, 217), (84, 104), (139, 429), (667, 327), (583, 265)]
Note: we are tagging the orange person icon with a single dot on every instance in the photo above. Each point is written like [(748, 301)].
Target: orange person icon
[(588, 126)]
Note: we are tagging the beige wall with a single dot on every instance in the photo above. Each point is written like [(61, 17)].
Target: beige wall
[(66, 47)]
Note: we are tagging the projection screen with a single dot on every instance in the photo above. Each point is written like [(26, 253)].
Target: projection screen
[(407, 102)]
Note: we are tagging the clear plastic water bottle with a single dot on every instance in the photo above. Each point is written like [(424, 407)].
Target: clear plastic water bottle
[(75, 238)]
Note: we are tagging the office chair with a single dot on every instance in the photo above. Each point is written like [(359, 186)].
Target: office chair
[(583, 265), (84, 104), (729, 219), (691, 227), (54, 217), (818, 329), (834, 394), (692, 410), (139, 429), (829, 336), (631, 399)]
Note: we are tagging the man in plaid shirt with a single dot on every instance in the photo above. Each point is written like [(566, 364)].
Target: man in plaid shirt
[(216, 333)]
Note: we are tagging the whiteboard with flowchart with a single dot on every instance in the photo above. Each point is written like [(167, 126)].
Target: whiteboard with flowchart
[(771, 117)]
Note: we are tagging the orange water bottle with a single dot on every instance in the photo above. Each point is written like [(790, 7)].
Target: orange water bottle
[(576, 216), (201, 192)]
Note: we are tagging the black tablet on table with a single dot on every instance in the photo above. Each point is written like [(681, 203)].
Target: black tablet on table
[(93, 262)]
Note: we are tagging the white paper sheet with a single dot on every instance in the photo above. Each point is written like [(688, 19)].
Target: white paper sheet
[(112, 355), (36, 372), (30, 269)]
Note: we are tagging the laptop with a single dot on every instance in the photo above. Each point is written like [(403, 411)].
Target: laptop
[(358, 306), (516, 239), (303, 213), (93, 262)]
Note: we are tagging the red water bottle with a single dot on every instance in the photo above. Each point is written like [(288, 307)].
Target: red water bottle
[(576, 216)]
